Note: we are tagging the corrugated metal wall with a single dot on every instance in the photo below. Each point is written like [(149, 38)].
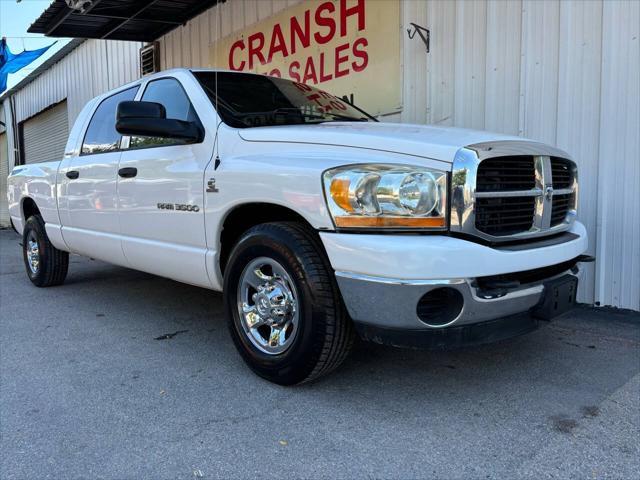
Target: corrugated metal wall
[(6, 162), (4, 172), (92, 68), (562, 72), (618, 208)]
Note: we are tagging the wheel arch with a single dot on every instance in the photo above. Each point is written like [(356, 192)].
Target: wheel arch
[(28, 208), (244, 216)]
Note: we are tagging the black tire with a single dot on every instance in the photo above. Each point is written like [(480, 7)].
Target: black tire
[(53, 263), (324, 331)]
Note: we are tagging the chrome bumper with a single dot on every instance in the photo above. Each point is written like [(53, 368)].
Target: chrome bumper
[(392, 303)]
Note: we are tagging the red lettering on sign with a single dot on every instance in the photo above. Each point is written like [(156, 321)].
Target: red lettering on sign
[(277, 43), (237, 45), (293, 71), (328, 22), (318, 25), (301, 33), (255, 50), (340, 59), (347, 12), (360, 53), (324, 77), (309, 72)]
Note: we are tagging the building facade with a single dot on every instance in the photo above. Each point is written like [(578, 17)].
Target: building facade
[(562, 72)]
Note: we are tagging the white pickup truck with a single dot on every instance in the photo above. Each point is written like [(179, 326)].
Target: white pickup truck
[(315, 220)]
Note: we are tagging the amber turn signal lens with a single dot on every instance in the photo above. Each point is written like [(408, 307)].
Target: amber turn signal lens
[(410, 222), (340, 193)]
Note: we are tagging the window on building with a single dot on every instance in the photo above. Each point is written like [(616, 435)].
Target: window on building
[(169, 93), (101, 134)]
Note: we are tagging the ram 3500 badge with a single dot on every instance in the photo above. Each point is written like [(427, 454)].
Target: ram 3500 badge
[(317, 221)]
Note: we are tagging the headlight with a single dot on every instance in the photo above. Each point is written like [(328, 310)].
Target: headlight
[(386, 196)]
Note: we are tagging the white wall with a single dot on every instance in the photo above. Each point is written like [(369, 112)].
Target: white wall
[(618, 208), (562, 72)]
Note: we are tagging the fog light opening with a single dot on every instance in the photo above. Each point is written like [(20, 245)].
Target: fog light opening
[(440, 307)]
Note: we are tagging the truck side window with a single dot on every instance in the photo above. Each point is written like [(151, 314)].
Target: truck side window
[(101, 135), (169, 93)]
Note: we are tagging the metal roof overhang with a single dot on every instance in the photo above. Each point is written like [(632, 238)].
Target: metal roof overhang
[(133, 20)]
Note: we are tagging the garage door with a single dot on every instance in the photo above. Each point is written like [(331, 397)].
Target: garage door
[(45, 135)]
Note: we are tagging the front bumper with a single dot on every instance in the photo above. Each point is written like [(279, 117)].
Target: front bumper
[(393, 303), (451, 337), (385, 308)]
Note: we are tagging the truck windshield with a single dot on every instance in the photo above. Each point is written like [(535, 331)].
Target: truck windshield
[(246, 100)]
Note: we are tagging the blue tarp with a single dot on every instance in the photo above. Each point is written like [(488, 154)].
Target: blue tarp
[(11, 63)]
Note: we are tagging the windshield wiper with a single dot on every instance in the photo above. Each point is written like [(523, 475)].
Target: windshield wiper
[(347, 118), (293, 111), (296, 111)]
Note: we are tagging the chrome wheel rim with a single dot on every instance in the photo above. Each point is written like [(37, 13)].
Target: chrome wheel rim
[(267, 306), (33, 252)]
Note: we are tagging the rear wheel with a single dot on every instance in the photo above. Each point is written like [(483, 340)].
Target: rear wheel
[(45, 264), (284, 311)]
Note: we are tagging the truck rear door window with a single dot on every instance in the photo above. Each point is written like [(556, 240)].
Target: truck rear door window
[(101, 135)]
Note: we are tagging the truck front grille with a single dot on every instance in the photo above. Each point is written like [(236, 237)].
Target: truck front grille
[(506, 174), (561, 173), (561, 206), (521, 194), (496, 215), (504, 215)]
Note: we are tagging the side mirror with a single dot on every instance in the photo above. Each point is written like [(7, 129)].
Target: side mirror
[(149, 119)]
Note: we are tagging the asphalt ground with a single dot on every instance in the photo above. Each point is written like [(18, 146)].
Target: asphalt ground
[(122, 375)]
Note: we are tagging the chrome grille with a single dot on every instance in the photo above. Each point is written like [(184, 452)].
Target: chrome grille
[(561, 205), (506, 174), (561, 172), (505, 215), (497, 215), (562, 178), (512, 190)]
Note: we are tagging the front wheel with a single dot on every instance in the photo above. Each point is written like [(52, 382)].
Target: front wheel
[(45, 264), (283, 307)]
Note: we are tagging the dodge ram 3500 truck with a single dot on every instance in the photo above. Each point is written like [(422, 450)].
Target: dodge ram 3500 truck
[(314, 219)]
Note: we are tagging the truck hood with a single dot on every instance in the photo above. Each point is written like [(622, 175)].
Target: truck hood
[(439, 143)]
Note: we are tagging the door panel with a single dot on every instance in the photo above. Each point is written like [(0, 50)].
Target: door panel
[(92, 200), (93, 227), (161, 208), (166, 241)]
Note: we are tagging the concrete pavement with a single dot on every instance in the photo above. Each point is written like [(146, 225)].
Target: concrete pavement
[(119, 374)]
